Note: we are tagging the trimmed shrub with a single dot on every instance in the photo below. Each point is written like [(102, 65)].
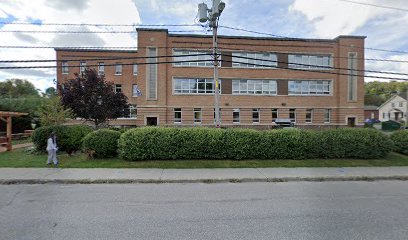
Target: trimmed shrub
[(104, 142), (209, 143), (69, 138), (353, 143), (400, 139)]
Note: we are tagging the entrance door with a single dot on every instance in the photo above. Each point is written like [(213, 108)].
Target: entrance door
[(151, 121), (351, 121)]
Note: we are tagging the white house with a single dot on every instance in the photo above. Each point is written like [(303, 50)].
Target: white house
[(395, 108)]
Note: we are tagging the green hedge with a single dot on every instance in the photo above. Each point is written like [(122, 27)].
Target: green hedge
[(104, 142), (400, 139), (207, 143), (69, 138)]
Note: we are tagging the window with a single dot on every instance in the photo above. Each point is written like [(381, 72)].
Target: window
[(65, 69), (235, 116), (392, 104), (292, 114), (255, 115), (309, 87), (309, 115), (82, 66), (118, 88), (118, 69), (151, 73), (401, 104), (130, 112), (220, 115), (135, 91), (384, 116), (135, 69), (352, 78), (177, 115), (274, 114), (254, 60), (194, 86), (197, 115), (101, 68), (199, 60), (254, 87), (309, 61), (327, 113)]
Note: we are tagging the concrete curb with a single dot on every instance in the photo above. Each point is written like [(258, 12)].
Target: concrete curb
[(226, 180)]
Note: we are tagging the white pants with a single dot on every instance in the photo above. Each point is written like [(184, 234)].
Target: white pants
[(52, 156)]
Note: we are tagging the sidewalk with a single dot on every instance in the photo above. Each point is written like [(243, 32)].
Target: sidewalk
[(100, 175)]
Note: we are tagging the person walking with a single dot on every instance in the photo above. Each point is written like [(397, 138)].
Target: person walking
[(52, 149)]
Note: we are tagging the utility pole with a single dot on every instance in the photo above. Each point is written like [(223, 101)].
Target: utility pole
[(212, 15)]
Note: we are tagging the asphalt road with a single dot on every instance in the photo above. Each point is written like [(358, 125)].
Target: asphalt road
[(295, 210)]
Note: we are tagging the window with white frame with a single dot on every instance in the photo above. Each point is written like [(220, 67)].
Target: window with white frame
[(118, 88), (135, 69), (275, 114), (401, 104), (197, 115), (118, 69), (309, 87), (255, 115), (254, 60), (130, 112), (220, 115), (82, 66), (187, 58), (254, 87), (392, 104), (309, 115), (292, 114), (135, 91), (65, 69), (302, 61), (327, 115), (101, 68), (236, 116), (194, 86), (177, 115)]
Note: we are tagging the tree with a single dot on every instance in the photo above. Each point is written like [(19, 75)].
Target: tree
[(50, 92), (15, 88), (376, 93), (92, 98), (52, 112)]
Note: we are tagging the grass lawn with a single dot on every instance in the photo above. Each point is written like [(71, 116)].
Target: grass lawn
[(20, 158)]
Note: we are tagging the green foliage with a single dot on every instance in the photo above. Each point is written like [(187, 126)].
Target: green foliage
[(400, 139), (69, 138), (206, 143), (104, 142), (376, 93), (52, 112)]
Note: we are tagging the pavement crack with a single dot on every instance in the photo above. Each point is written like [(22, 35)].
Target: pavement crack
[(11, 200)]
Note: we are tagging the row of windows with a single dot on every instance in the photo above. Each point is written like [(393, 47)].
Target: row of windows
[(254, 60), (236, 115), (135, 89), (101, 68), (400, 104), (252, 86)]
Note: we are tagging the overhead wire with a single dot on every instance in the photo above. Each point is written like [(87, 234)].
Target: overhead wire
[(375, 5)]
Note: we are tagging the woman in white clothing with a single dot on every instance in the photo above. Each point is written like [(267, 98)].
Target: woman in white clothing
[(52, 149)]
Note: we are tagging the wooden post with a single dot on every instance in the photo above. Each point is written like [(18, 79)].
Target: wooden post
[(9, 131)]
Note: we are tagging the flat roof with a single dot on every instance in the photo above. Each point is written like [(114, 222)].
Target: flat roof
[(73, 49)]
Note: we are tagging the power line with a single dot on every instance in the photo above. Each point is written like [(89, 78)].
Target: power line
[(375, 5), (89, 32)]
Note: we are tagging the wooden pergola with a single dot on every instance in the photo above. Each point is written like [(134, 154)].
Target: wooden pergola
[(6, 117)]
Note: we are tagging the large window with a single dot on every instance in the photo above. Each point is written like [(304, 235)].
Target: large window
[(352, 78), (197, 115), (310, 61), (235, 116), (199, 60), (327, 113), (255, 115), (275, 114), (309, 115), (194, 86), (257, 87), (118, 69), (309, 87), (82, 66), (101, 68), (130, 112), (65, 69), (292, 114), (177, 115), (254, 60)]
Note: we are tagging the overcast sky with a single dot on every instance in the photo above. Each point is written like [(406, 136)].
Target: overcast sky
[(384, 28)]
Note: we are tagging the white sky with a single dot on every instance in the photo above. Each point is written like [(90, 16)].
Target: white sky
[(384, 28)]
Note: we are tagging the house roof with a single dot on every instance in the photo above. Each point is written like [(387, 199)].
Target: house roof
[(370, 107), (403, 95)]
